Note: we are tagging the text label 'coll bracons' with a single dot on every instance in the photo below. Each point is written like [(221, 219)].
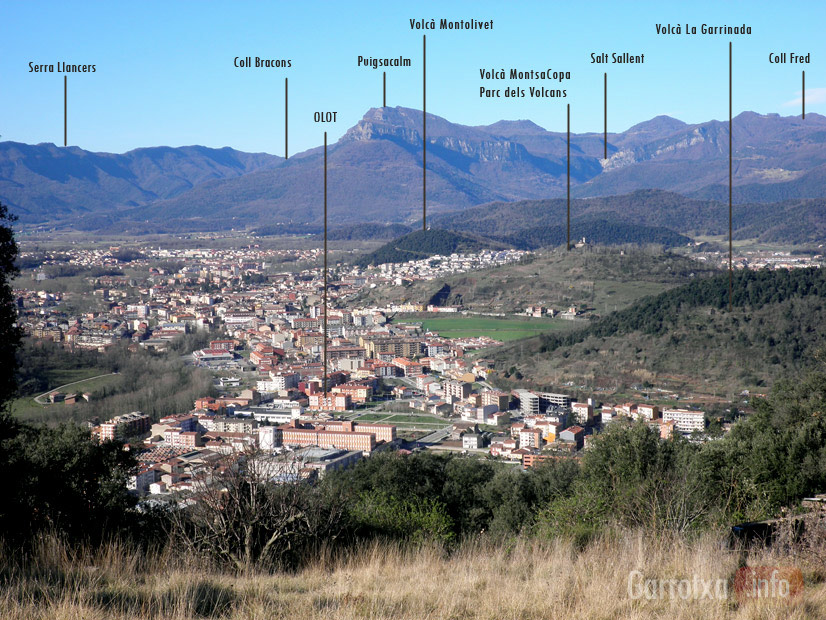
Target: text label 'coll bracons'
[(247, 62)]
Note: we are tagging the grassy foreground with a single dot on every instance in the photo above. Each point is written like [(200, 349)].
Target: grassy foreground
[(524, 580)]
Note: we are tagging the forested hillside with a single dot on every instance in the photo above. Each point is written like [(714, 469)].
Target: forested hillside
[(642, 216), (600, 278), (423, 244), (600, 231), (688, 336)]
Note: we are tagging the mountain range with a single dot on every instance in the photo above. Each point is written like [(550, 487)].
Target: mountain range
[(374, 172), (46, 183), (643, 216)]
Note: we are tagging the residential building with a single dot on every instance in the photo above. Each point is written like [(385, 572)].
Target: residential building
[(333, 402), (574, 435), (686, 421), (278, 382), (123, 426), (182, 439), (583, 413), (357, 392), (392, 345), (530, 438), (648, 412), (458, 390), (500, 399)]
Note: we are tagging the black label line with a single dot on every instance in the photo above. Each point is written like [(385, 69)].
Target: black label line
[(730, 178), (568, 160), (384, 89), (286, 126), (324, 331), (605, 109), (424, 132), (65, 111)]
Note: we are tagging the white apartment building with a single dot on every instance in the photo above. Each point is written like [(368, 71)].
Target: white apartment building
[(685, 421), (530, 438), (647, 412), (278, 382), (528, 403), (583, 412)]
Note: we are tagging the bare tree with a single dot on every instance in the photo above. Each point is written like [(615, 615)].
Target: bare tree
[(257, 510)]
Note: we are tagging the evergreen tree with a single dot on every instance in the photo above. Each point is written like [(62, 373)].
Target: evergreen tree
[(9, 332)]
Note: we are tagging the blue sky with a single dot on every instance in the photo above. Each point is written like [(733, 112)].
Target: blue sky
[(165, 71)]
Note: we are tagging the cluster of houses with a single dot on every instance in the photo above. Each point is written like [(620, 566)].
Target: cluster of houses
[(553, 422), (763, 259), (173, 452), (268, 366), (209, 289)]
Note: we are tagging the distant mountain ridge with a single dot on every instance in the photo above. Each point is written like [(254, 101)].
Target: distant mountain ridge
[(375, 175), (643, 216), (44, 182)]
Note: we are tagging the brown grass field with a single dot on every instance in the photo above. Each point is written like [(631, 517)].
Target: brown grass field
[(520, 580)]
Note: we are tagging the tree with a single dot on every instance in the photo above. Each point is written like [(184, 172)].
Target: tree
[(631, 477), (9, 331), (55, 479), (63, 480), (10, 461), (254, 511)]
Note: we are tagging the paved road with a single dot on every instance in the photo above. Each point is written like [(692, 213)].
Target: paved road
[(436, 436), (60, 387)]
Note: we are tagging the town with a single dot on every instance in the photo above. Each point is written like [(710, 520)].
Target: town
[(390, 384)]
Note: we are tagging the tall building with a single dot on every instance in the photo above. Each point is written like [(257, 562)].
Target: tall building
[(528, 402), (126, 425), (583, 413), (392, 345), (492, 397), (685, 420), (333, 402), (558, 400), (458, 390), (279, 382)]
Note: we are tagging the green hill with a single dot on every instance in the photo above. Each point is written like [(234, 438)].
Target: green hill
[(687, 337), (423, 244), (599, 231), (595, 277), (367, 232)]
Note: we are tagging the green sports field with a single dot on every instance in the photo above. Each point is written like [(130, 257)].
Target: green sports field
[(504, 329)]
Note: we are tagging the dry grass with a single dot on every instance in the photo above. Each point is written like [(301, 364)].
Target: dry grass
[(525, 580)]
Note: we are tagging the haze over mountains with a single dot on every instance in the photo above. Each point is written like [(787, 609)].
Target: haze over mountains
[(643, 216), (374, 172), (46, 183)]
